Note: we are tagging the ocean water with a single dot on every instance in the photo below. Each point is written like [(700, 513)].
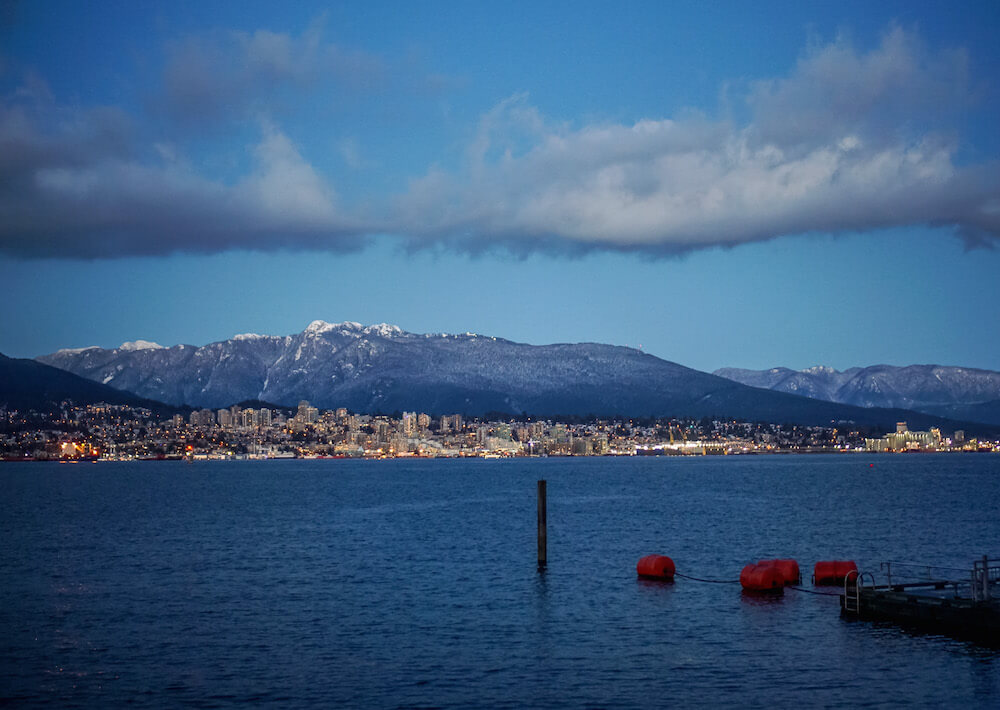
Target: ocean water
[(384, 584)]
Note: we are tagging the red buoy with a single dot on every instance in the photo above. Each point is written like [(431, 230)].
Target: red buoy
[(655, 567), (789, 569), (833, 571), (762, 578)]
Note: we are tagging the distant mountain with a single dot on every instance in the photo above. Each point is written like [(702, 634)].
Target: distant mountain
[(383, 368), (27, 384), (954, 392)]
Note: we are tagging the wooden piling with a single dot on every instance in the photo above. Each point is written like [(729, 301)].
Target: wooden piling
[(542, 527)]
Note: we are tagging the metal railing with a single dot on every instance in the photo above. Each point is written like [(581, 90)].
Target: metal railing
[(984, 574), (982, 577), (853, 584)]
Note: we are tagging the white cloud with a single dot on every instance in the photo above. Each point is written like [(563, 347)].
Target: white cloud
[(846, 142), (65, 194), (898, 88), (284, 184)]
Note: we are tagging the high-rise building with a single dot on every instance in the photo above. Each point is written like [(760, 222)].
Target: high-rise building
[(409, 423), (306, 413), (202, 417)]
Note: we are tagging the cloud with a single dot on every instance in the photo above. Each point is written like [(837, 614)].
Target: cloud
[(846, 142), (898, 88), (75, 184), (230, 75)]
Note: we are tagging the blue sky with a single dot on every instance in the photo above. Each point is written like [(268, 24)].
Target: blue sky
[(724, 184)]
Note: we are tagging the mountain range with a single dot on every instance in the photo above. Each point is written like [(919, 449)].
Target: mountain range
[(27, 384), (953, 392), (383, 368)]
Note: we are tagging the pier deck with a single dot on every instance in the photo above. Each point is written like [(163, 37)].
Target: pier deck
[(963, 609)]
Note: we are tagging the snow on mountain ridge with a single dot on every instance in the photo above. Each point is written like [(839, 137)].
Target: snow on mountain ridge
[(133, 345), (381, 368), (319, 327), (820, 370), (384, 329), (933, 389)]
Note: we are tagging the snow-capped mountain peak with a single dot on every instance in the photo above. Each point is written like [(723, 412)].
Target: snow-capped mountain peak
[(383, 329), (318, 327), (382, 368), (133, 345), (820, 370)]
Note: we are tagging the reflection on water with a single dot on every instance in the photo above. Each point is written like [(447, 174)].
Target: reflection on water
[(408, 583)]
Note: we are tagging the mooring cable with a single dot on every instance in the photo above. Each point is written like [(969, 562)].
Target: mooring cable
[(812, 591), (710, 581), (736, 581)]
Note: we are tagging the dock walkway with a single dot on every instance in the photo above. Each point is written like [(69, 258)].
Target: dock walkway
[(966, 608)]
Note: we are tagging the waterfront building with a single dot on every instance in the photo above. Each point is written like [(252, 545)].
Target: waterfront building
[(399, 444), (905, 440)]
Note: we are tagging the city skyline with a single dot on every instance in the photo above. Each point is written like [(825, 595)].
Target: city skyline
[(722, 186)]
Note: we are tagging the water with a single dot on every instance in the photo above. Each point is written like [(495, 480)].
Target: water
[(413, 583)]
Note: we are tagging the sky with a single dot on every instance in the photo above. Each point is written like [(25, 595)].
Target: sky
[(723, 184)]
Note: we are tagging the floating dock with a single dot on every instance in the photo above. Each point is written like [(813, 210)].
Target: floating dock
[(967, 608)]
